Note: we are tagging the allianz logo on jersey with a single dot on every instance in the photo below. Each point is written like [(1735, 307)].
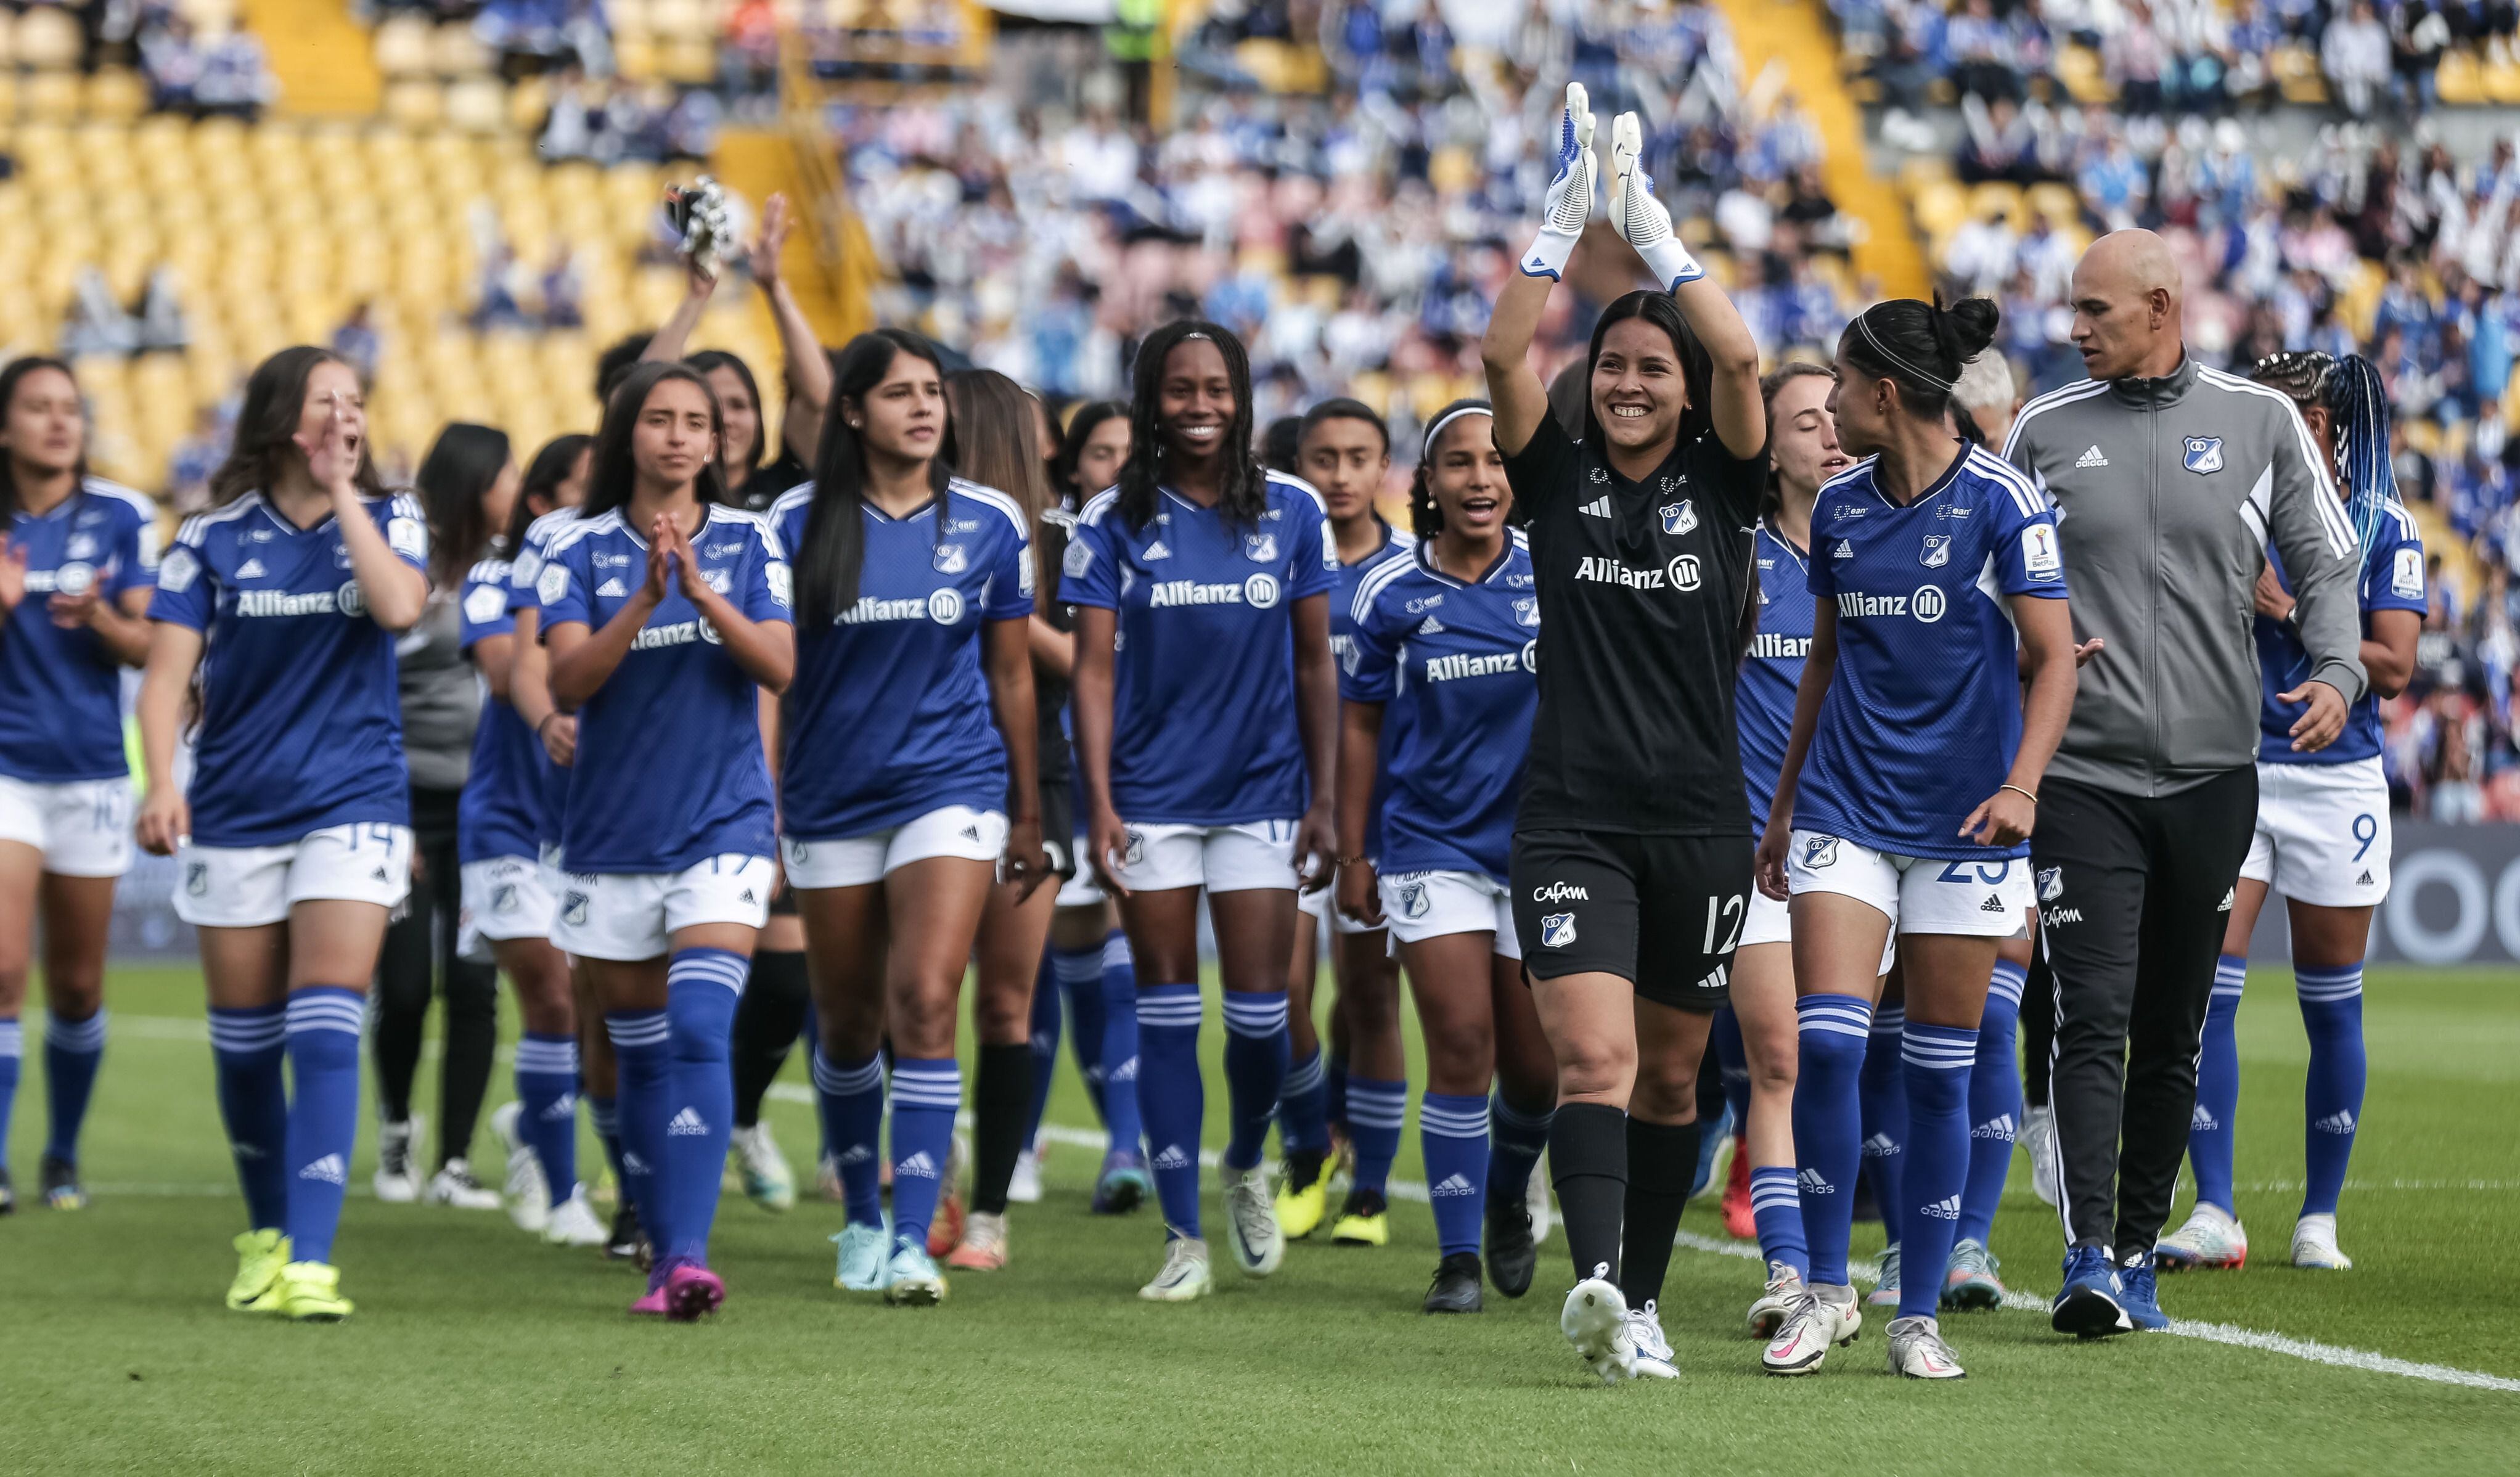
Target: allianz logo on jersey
[(1463, 664), (1773, 647), (679, 633), (944, 607), (1928, 604), (346, 601), (1260, 592), (1680, 574)]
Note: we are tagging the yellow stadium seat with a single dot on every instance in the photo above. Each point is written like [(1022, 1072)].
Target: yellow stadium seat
[(47, 39), (456, 52), (2458, 79), (402, 46), (53, 96), (415, 104), (2062, 204), (2503, 82), (2085, 80), (477, 105), (1940, 207), (1998, 195)]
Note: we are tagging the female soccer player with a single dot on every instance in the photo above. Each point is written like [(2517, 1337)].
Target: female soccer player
[(1206, 717), (667, 835), (1632, 849), (2322, 833), (274, 620), (78, 557), (1916, 807), (906, 776), (508, 901), (1448, 635), (1344, 450), (467, 484)]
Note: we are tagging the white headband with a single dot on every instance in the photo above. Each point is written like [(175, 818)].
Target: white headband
[(1931, 381), (1437, 429)]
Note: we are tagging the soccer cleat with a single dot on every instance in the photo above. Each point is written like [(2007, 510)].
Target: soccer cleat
[(310, 1292), (767, 1180), (573, 1222), (1536, 1196), (827, 1180), (945, 1229), (1739, 1221), (1595, 1320), (2212, 1238), (1124, 1184), (863, 1262), (1455, 1288), (2314, 1245), (1885, 1292), (1024, 1188), (1653, 1351), (528, 1193), (260, 1254), (693, 1292), (397, 1179), (1816, 1320), (2091, 1303), (1183, 1278), (1251, 1223), (59, 1180), (625, 1242), (453, 1185), (1364, 1221), (1511, 1255), (911, 1278), (2039, 1141), (651, 1303), (2140, 1298), (985, 1243), (1918, 1349), (8, 1193), (1768, 1314), (1304, 1199), (1969, 1280)]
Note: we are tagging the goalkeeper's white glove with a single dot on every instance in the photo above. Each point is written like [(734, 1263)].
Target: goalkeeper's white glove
[(1638, 215), (1569, 204)]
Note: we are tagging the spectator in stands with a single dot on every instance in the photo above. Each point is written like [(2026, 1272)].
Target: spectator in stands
[(358, 343), (2418, 34), (1999, 145), (2134, 60), (2355, 54)]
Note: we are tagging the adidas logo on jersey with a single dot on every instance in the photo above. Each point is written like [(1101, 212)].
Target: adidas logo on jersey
[(2091, 457), (1598, 507), (250, 569), (1948, 1208), (2338, 1122), (2365, 880), (610, 589), (1156, 551), (1452, 1187), (686, 1124), (330, 1170), (1994, 903), (1430, 627), (1811, 1183), (2000, 1127), (1172, 1158), (2229, 893), (919, 1166), (1880, 1146), (2201, 1122)]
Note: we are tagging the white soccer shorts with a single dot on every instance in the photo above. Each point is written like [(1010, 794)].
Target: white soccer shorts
[(1423, 904), (1085, 889), (1325, 905), (81, 827), (1917, 894), (634, 915), (504, 898), (1218, 858), (956, 831), (1769, 921), (247, 886), (2322, 833)]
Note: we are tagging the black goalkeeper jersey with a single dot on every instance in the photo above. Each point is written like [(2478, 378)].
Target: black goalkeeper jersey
[(1641, 587)]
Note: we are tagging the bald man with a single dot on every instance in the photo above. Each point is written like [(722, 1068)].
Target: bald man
[(2169, 479)]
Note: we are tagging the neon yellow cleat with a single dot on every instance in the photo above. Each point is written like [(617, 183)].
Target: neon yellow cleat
[(1300, 1211), (1356, 1226), (260, 1254), (310, 1292)]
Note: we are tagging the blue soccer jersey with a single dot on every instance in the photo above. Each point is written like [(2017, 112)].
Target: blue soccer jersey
[(1763, 697), (525, 574), (501, 812), (1204, 722), (2393, 579), (669, 769), (1396, 546), (1455, 667), (890, 715), (60, 690), (1923, 714), (301, 722)]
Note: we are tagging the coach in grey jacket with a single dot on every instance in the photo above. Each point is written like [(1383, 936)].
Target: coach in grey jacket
[(2170, 479)]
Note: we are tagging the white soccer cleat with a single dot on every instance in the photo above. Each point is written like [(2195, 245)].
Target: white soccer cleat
[(1024, 1188), (528, 1193), (1595, 1320), (1885, 1291), (1918, 1349), (768, 1182), (454, 1186), (1818, 1321), (1536, 1196), (2211, 1239), (2039, 1141), (863, 1250), (574, 1222), (1251, 1222), (1184, 1276), (1768, 1314), (2314, 1245), (1653, 1351), (397, 1179), (912, 1280)]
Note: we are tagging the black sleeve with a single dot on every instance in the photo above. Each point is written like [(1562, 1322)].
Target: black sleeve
[(1735, 484), (1549, 465)]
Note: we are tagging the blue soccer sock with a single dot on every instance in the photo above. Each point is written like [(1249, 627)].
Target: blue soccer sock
[(1303, 1126), (850, 1096), (1452, 1138), (1256, 1048), (926, 1094), (643, 1081), (72, 1051), (1939, 1061), (1334, 1089), (1120, 1113), (1515, 1141), (1375, 1109), (547, 1107), (1172, 1096), (1043, 1040), (2331, 1012), (1732, 1059), (324, 1023), (1083, 987), (1828, 1125), (2217, 1087), (1993, 1102), (248, 1046), (1883, 1094), (1778, 1209), (703, 987), (13, 1053)]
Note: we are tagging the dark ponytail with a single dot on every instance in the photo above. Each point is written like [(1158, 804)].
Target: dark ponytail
[(1921, 347)]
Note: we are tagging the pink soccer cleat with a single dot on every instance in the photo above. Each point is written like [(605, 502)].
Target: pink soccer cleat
[(692, 1292)]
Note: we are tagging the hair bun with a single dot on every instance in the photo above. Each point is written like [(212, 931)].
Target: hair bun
[(1963, 329)]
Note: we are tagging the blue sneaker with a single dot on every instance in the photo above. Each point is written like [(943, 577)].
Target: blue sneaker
[(2140, 1298), (1124, 1183), (2088, 1306)]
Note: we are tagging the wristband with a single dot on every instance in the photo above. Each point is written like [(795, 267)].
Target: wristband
[(2019, 791), (1548, 253), (1671, 264)]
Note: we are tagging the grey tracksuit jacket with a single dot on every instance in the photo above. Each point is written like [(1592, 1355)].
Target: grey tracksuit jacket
[(2167, 493)]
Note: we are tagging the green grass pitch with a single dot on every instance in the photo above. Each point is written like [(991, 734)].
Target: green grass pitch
[(475, 1350)]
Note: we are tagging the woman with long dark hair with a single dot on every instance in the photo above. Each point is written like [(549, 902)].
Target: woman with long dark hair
[(667, 615), (1206, 718), (275, 619), (1936, 584), (78, 558), (1632, 852), (907, 782), (467, 485)]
